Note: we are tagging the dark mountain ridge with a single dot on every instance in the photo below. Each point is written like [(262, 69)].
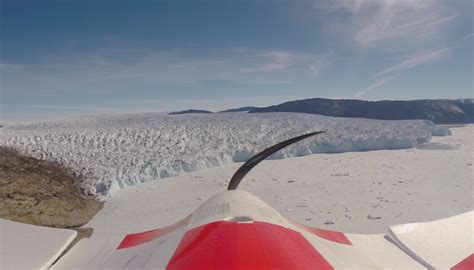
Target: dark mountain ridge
[(241, 109), (440, 111), (190, 111)]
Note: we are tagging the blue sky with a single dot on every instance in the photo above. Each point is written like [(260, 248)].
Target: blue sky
[(64, 58)]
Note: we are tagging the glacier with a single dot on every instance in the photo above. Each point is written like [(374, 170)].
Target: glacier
[(110, 152)]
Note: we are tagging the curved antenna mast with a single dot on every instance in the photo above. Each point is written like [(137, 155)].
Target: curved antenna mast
[(253, 161)]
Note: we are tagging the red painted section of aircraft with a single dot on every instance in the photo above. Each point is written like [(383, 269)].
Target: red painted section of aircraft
[(466, 264), (333, 236), (256, 245), (136, 239)]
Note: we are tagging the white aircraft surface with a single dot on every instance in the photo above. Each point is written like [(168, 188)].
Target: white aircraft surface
[(236, 230)]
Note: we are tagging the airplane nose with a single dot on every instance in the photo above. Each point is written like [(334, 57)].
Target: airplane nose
[(237, 206), (240, 219)]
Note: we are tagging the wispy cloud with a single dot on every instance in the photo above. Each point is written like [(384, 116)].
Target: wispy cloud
[(375, 85), (386, 30), (266, 68), (399, 33), (217, 104), (81, 108), (276, 60), (101, 74), (389, 24), (416, 60), (392, 72), (468, 36)]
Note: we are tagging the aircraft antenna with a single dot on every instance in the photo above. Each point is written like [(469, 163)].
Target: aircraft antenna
[(253, 161)]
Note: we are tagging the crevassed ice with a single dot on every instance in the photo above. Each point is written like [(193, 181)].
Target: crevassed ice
[(108, 153)]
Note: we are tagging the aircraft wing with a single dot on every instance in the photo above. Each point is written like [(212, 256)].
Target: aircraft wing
[(24, 246), (236, 230)]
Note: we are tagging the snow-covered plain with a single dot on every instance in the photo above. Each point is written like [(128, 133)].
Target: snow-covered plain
[(108, 153)]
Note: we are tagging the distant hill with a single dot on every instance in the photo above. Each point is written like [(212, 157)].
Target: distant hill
[(440, 111), (241, 109), (190, 111)]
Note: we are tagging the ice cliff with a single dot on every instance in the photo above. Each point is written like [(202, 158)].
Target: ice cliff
[(108, 153)]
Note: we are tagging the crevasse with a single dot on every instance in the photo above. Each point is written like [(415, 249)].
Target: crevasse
[(108, 153)]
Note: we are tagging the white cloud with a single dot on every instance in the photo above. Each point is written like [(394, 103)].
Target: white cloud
[(394, 71), (375, 85), (81, 108), (389, 24), (468, 36), (416, 60), (218, 104), (98, 73), (277, 60)]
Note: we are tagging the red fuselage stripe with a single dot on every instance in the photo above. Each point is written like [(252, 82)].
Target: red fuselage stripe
[(334, 236), (136, 239), (466, 264), (257, 245)]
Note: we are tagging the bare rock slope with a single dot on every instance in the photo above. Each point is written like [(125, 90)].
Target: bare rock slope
[(42, 193)]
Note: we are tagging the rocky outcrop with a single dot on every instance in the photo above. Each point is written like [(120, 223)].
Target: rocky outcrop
[(42, 193)]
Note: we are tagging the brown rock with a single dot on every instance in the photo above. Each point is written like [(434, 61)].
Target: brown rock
[(42, 193)]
